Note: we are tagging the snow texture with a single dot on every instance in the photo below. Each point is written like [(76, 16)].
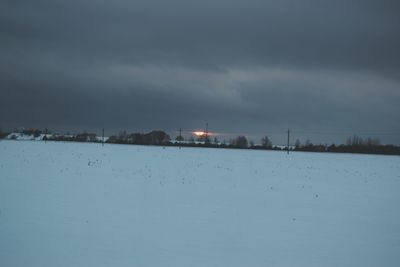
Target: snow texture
[(81, 204)]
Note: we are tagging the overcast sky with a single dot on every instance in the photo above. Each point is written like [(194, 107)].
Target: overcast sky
[(324, 69)]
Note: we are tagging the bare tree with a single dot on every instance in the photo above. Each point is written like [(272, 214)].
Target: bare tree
[(266, 142), (241, 142)]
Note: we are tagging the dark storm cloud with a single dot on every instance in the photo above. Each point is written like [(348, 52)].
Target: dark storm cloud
[(248, 66), (214, 33)]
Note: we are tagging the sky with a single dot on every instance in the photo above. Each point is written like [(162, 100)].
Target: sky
[(324, 69)]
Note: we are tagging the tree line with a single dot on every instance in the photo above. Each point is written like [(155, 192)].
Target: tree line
[(354, 144)]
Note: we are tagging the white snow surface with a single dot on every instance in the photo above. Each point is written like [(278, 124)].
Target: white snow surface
[(26, 137), (81, 204)]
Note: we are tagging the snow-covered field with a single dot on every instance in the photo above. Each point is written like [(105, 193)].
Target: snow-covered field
[(77, 204)]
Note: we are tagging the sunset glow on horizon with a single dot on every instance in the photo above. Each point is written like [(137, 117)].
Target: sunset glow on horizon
[(202, 133)]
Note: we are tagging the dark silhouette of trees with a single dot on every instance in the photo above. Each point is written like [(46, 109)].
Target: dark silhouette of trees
[(86, 137), (157, 138), (123, 136), (241, 142), (354, 144), (266, 142), (151, 138), (2, 134)]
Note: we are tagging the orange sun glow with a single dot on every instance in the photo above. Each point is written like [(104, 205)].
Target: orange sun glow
[(202, 133), (199, 133)]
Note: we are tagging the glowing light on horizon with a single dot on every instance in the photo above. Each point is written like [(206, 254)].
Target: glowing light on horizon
[(202, 133), (199, 133)]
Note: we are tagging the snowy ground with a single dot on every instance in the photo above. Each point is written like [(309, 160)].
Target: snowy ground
[(76, 204)]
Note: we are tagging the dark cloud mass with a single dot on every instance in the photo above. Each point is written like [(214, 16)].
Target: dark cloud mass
[(325, 69)]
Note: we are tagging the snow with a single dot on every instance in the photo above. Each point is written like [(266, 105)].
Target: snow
[(26, 137), (31, 137), (81, 204)]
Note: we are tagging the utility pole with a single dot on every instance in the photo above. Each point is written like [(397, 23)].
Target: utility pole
[(45, 135), (180, 137), (288, 136), (102, 138)]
